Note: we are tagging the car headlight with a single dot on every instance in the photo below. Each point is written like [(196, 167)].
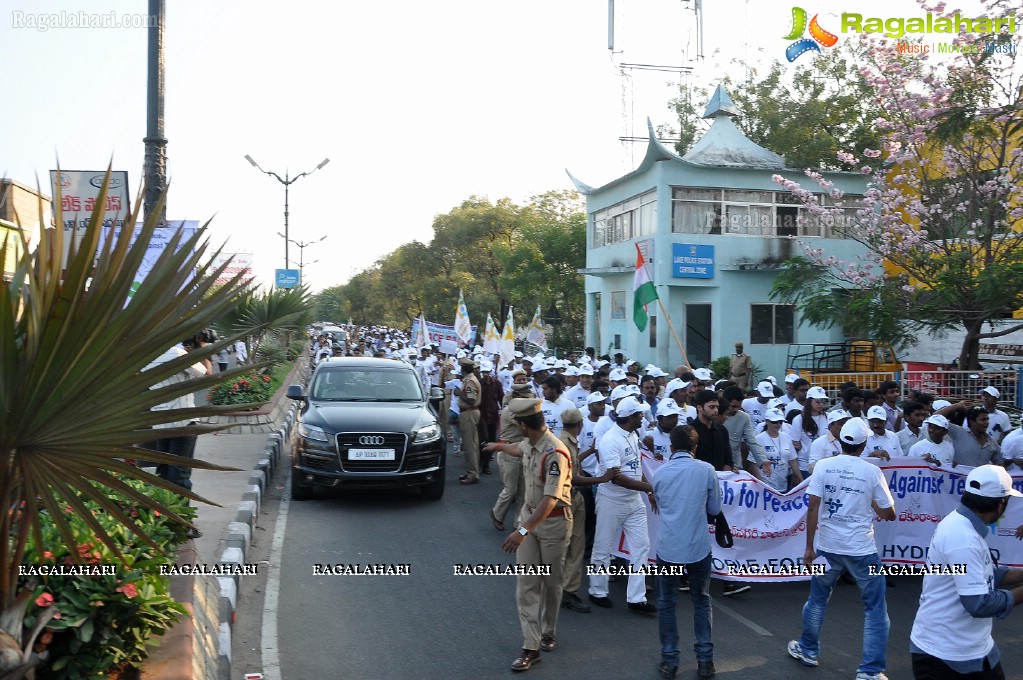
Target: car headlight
[(428, 433), (313, 433)]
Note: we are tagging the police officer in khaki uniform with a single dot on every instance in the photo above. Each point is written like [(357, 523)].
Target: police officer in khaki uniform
[(545, 523), (511, 466), (470, 394), (444, 374)]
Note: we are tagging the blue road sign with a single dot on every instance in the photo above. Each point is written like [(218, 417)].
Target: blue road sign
[(287, 278)]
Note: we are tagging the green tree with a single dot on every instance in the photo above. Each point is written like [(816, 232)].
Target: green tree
[(807, 111)]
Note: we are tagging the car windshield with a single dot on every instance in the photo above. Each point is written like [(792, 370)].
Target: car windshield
[(366, 384)]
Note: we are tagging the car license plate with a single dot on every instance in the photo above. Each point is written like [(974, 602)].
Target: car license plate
[(370, 454)]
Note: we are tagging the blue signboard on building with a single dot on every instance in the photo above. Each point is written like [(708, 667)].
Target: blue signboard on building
[(691, 261), (287, 278)]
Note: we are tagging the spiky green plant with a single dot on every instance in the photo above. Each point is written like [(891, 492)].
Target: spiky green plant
[(75, 393)]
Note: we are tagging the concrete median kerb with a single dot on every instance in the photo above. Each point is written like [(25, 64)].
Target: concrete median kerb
[(205, 638)]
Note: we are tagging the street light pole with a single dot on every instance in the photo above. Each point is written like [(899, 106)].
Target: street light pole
[(287, 182), (301, 251)]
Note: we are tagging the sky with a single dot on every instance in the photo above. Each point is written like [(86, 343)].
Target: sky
[(418, 105)]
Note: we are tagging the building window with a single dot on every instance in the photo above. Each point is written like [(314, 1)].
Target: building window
[(617, 305), (755, 213), (772, 324), (626, 220)]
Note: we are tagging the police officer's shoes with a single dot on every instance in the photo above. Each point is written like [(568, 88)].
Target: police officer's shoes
[(548, 643), (643, 607), (527, 658), (572, 601)]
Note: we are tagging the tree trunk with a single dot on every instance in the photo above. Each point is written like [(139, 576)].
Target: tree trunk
[(970, 351)]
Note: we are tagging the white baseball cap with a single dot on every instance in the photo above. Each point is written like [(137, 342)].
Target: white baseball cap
[(937, 419), (990, 481), (668, 407), (675, 384), (572, 372), (594, 397), (620, 392), (837, 415), (540, 366), (630, 406), (765, 389), (774, 416), (876, 412), (703, 374), (486, 366), (993, 391), (771, 379), (585, 370), (854, 432), (940, 404), (816, 392), (792, 377), (616, 375)]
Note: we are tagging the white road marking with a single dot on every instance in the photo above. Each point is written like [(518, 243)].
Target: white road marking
[(271, 655), (759, 630)]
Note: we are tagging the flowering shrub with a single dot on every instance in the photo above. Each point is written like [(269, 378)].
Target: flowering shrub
[(104, 620), (250, 388)]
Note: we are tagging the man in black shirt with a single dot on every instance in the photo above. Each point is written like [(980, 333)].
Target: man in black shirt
[(714, 446)]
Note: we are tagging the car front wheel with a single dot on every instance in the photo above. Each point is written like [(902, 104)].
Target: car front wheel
[(299, 491)]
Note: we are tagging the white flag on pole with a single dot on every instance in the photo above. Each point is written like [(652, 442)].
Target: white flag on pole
[(535, 333), (463, 329), (507, 347)]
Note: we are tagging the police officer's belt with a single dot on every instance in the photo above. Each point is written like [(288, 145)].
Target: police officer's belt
[(556, 512)]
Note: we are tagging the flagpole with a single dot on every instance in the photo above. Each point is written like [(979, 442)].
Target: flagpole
[(671, 327)]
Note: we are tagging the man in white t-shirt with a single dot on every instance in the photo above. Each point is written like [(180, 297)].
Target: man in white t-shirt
[(998, 420), (756, 407), (913, 415), (577, 394), (846, 492), (951, 635), (658, 437), (935, 448), (828, 445), (620, 507), (553, 404), (882, 442)]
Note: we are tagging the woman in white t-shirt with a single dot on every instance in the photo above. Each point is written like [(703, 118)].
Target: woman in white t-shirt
[(780, 452), (809, 425)]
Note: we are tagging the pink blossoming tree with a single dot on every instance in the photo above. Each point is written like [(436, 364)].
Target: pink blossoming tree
[(942, 219)]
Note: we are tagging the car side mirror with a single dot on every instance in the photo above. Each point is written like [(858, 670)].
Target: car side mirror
[(296, 392), (436, 395)]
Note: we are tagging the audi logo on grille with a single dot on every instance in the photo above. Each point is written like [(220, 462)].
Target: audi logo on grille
[(374, 440)]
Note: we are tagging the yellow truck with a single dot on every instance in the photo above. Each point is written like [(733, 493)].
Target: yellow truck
[(863, 362)]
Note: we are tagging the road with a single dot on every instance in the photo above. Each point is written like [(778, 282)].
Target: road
[(432, 624)]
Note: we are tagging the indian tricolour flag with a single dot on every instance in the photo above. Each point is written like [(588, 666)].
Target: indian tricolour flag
[(643, 291)]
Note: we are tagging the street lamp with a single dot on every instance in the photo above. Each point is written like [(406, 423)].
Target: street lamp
[(301, 252), (287, 183)]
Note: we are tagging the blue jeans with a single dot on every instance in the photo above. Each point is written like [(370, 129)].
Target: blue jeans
[(872, 590), (667, 623)]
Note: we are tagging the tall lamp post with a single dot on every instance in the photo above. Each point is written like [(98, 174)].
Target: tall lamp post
[(287, 182), (301, 252)]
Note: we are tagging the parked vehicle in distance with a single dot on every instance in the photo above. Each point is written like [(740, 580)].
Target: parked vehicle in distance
[(367, 423)]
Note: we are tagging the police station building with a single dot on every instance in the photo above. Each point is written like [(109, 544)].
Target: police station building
[(715, 229)]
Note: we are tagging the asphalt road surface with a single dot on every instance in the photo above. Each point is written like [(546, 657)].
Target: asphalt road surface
[(433, 624)]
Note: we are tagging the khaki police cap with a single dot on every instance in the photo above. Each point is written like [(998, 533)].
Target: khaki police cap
[(522, 387), (571, 416), (525, 407), (466, 361)]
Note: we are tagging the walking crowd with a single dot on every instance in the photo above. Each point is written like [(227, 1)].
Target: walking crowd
[(569, 435)]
